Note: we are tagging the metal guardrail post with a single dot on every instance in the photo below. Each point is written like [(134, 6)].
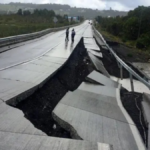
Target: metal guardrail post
[(121, 72), (131, 81)]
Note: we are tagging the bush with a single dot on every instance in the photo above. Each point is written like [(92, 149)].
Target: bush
[(15, 24), (130, 55), (124, 39), (144, 41), (131, 28)]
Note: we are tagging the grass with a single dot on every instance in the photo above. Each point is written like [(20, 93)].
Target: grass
[(10, 30), (110, 36), (11, 25), (130, 55)]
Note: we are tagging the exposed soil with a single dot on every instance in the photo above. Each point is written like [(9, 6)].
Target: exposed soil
[(130, 54), (127, 53), (132, 103), (39, 106), (76, 70), (111, 64)]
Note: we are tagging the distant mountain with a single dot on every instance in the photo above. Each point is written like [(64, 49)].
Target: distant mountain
[(61, 9)]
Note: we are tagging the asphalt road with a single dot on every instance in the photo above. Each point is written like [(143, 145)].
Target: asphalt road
[(36, 48)]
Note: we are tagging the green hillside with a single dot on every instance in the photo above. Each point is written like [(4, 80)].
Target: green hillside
[(133, 29), (62, 9)]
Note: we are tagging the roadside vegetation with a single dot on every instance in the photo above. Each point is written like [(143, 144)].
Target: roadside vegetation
[(24, 22), (132, 30)]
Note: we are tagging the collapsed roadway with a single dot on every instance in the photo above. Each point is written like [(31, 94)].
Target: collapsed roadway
[(50, 88)]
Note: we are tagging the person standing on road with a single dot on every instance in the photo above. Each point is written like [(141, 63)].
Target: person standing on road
[(73, 35), (67, 35)]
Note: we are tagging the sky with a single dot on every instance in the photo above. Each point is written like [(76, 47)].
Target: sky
[(124, 5)]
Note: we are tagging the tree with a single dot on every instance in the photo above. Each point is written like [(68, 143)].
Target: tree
[(144, 41), (135, 26), (19, 12), (131, 28), (115, 28), (26, 13), (65, 16), (81, 18)]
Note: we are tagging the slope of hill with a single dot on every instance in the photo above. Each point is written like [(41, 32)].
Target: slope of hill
[(133, 29), (61, 9)]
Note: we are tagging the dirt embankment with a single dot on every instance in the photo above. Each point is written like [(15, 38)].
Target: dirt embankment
[(127, 53)]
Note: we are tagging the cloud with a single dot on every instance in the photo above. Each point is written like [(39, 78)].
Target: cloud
[(96, 4), (130, 4)]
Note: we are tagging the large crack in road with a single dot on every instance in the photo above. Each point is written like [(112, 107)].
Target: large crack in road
[(38, 107)]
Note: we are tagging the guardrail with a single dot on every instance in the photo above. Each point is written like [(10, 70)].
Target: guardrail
[(122, 64), (20, 38)]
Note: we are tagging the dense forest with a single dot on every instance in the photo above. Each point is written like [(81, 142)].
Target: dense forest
[(26, 22), (135, 27), (60, 9)]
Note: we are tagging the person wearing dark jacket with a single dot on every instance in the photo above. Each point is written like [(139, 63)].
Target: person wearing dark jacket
[(67, 35), (73, 35)]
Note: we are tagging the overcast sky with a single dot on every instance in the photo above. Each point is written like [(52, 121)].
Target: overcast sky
[(98, 4)]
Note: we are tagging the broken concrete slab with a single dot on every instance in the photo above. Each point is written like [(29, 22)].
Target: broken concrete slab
[(16, 132), (98, 77), (97, 105), (82, 114), (94, 96), (93, 47), (7, 85), (104, 47), (146, 108), (10, 90), (16, 95), (13, 120), (98, 54), (93, 127), (98, 64), (31, 76), (19, 75), (98, 89), (89, 41), (146, 113), (99, 40), (15, 141), (34, 63)]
